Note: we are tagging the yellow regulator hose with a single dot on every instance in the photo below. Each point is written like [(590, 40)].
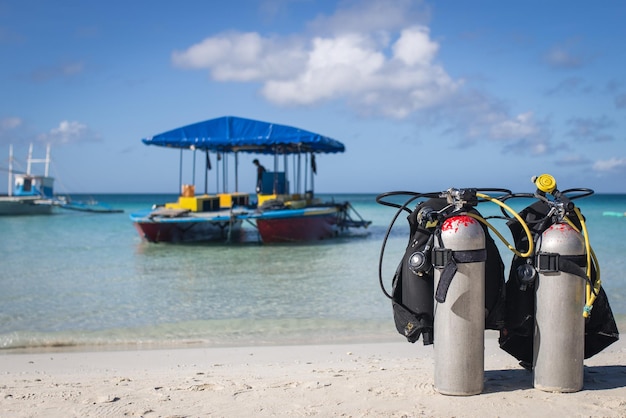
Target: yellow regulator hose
[(495, 231), (591, 295)]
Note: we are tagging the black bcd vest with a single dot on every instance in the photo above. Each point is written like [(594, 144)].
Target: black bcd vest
[(413, 291), (516, 337)]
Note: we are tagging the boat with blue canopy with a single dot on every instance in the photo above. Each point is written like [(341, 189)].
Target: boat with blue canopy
[(284, 207)]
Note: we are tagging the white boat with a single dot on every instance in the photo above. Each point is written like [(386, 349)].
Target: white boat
[(28, 193), (33, 194)]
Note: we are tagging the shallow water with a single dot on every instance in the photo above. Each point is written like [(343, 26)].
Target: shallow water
[(81, 279)]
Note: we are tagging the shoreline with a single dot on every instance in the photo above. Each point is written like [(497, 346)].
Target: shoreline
[(343, 379), (188, 345), (313, 337), (378, 334)]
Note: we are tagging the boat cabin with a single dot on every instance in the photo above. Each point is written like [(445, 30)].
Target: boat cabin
[(28, 185)]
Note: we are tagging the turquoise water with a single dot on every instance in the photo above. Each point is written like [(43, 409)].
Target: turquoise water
[(81, 279)]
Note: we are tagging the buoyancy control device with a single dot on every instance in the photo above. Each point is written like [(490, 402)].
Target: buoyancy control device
[(556, 224), (413, 287), (510, 306)]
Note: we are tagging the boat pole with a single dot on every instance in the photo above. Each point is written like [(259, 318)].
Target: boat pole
[(10, 189), (225, 174), (180, 173), (47, 160), (306, 172), (30, 158), (275, 180), (206, 172), (193, 173), (285, 166), (236, 172), (297, 173), (312, 173), (218, 158)]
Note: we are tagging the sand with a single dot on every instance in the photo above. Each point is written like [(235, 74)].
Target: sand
[(393, 379)]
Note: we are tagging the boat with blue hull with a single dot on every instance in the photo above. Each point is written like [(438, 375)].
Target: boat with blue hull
[(275, 211)]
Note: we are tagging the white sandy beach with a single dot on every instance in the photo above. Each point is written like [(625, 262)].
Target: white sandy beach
[(349, 380)]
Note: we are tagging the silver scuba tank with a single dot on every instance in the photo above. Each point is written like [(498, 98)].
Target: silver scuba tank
[(459, 316), (559, 336)]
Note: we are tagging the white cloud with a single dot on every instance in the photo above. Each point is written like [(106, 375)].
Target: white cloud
[(378, 58), (243, 57), (9, 123), (9, 128), (68, 132), (521, 126), (478, 117), (335, 67), (612, 164), (414, 47), (383, 66)]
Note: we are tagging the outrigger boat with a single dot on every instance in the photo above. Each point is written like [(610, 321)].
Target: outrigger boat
[(33, 194), (28, 193), (278, 214)]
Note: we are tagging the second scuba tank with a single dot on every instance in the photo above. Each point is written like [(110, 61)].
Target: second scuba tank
[(459, 310), (559, 336)]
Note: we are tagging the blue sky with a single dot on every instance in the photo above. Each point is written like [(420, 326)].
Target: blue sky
[(425, 95)]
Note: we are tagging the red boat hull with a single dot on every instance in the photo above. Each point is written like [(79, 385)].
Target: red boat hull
[(297, 229), (180, 232)]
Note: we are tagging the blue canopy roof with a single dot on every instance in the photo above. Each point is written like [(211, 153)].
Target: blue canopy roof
[(234, 134)]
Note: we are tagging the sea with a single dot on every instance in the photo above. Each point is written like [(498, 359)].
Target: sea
[(81, 281)]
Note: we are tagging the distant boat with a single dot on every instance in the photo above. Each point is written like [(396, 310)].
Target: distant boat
[(279, 214), (28, 193), (33, 194)]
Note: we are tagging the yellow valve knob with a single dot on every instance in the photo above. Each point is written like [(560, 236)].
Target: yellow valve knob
[(546, 183)]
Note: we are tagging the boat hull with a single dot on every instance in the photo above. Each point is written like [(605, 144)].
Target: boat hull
[(12, 206), (186, 229), (283, 224), (292, 225)]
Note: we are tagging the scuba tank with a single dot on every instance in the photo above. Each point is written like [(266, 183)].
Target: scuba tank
[(537, 311), (439, 289), (559, 333), (543, 288), (459, 321), (412, 295)]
